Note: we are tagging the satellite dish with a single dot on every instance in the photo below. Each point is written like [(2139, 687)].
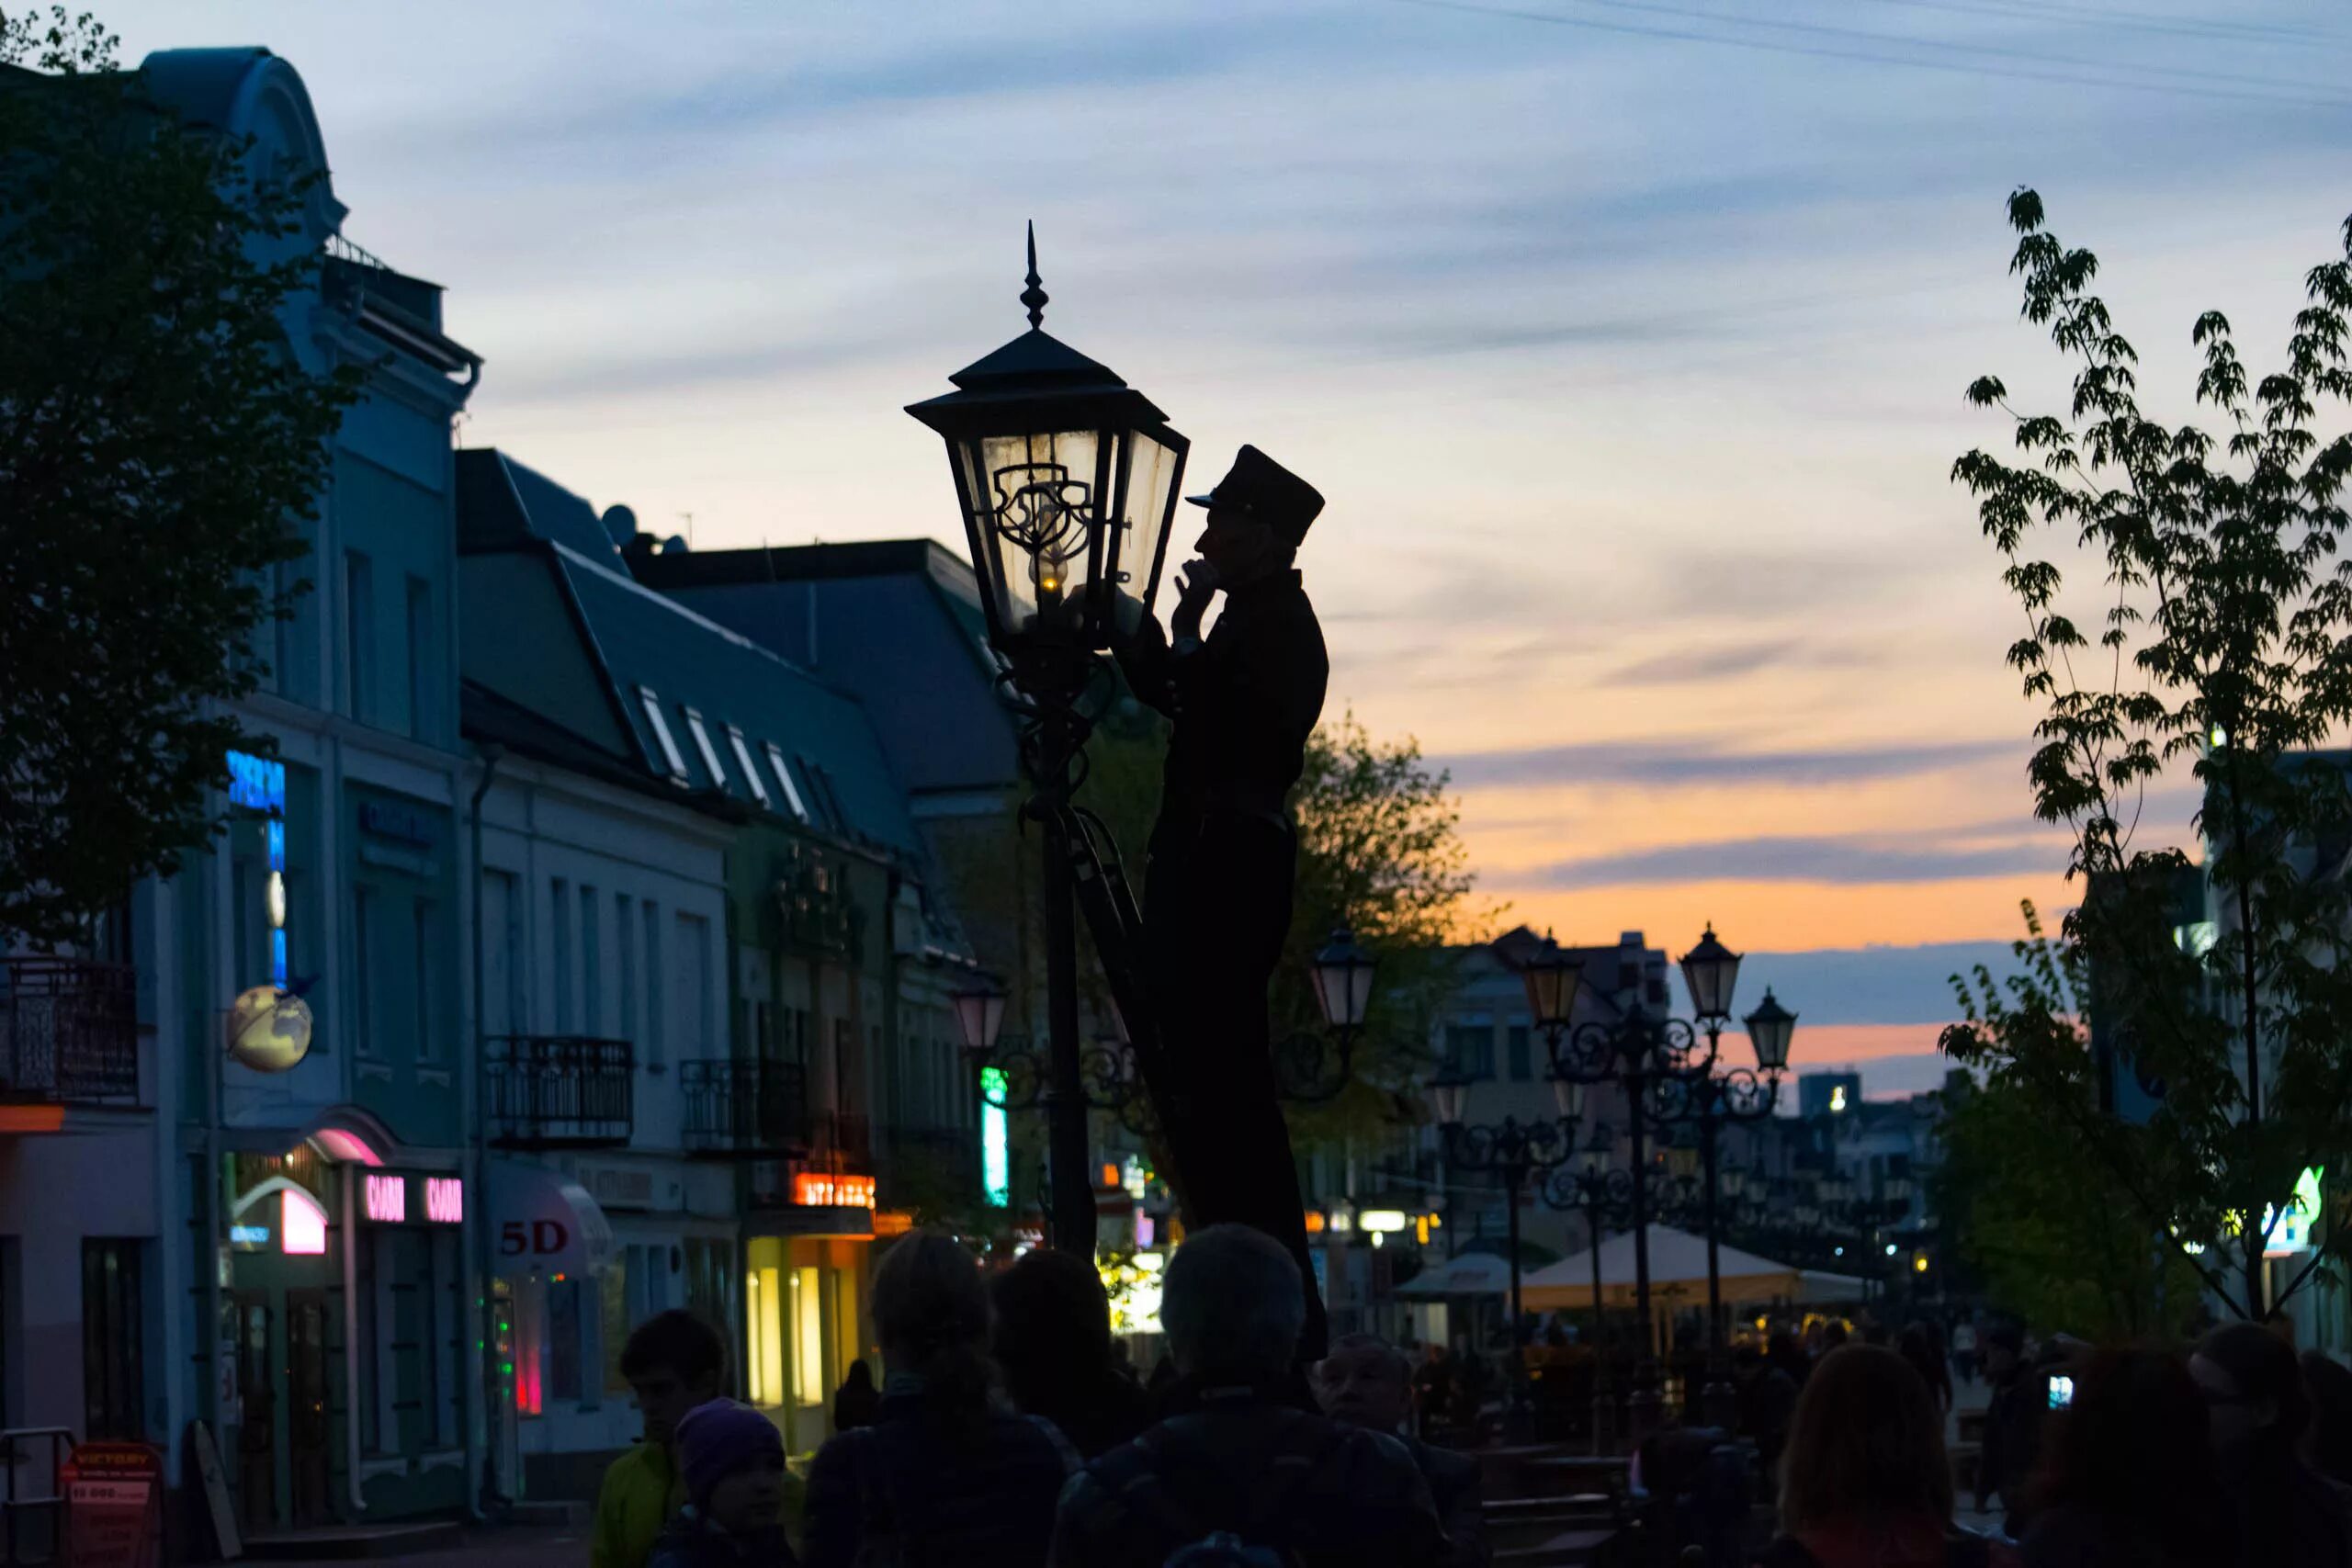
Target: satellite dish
[(269, 1029), (620, 524)]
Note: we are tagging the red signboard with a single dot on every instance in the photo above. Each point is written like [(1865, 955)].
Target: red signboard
[(113, 1506)]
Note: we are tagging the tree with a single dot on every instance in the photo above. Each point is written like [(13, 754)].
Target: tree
[(160, 449), (1379, 852), (2222, 641), (2055, 1239)]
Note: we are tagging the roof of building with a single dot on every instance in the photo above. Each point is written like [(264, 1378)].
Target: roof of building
[(563, 632), (896, 621)]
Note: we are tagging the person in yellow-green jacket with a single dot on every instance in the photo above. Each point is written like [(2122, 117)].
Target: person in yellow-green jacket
[(673, 1361)]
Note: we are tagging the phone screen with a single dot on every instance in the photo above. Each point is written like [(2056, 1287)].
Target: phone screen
[(2062, 1392)]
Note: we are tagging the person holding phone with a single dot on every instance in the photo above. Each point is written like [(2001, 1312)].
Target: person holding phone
[(1244, 698)]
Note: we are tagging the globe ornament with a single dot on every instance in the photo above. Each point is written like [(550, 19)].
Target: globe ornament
[(269, 1029)]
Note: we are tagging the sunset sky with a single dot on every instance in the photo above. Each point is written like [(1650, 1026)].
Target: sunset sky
[(1627, 340)]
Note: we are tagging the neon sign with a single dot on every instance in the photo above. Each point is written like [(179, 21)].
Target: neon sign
[(387, 1199), (817, 1190), (256, 784), (444, 1199), (302, 1224), (996, 1148)]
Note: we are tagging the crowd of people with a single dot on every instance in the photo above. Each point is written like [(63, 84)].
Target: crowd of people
[(1009, 1431)]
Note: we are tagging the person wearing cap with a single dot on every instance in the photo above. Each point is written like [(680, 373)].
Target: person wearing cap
[(1244, 700), (732, 1457)]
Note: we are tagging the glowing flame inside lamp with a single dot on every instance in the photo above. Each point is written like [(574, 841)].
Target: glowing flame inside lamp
[(1041, 511)]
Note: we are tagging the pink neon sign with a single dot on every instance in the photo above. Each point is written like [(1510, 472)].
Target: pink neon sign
[(302, 1224), (444, 1199), (387, 1199)]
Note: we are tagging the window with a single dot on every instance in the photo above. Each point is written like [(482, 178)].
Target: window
[(501, 917), (702, 745), (1516, 1048), (784, 777), (420, 661), (560, 935), (359, 635), (821, 784), (1470, 1049), (653, 1023), (693, 995), (113, 1393), (428, 999), (743, 762), (671, 756), (625, 943), (563, 1339), (808, 1322), (591, 965), (363, 967)]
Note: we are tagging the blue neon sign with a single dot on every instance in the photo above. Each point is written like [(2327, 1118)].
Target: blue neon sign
[(256, 784)]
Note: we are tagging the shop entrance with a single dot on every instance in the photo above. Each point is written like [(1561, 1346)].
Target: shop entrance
[(257, 1418), (309, 1406)]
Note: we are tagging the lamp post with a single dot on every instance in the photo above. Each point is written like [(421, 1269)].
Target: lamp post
[(1706, 1101), (1343, 972), (1067, 480), (1646, 1054), (1606, 1196), (1513, 1150)]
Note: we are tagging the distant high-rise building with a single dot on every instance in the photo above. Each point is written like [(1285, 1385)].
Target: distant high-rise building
[(1829, 1094)]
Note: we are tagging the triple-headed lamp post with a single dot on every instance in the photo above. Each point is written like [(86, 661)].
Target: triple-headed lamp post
[(1654, 1058)]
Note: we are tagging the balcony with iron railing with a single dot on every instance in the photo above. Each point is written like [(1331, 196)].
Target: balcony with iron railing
[(558, 1091), (841, 1150), (69, 1032), (745, 1109)]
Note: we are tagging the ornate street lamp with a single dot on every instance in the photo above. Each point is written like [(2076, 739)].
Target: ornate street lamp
[(979, 1014), (1066, 478), (1511, 1149), (1342, 971), (1606, 1197), (1661, 1062), (1709, 970)]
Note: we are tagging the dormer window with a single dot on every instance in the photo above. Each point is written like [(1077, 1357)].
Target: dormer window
[(669, 753), (743, 762), (784, 777), (709, 752)]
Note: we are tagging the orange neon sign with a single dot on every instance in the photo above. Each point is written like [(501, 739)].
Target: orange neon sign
[(820, 1189)]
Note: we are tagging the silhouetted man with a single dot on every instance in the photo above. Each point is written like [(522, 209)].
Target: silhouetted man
[(1218, 892), (1239, 1458)]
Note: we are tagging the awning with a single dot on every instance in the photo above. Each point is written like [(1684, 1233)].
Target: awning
[(1677, 1271), (1472, 1274), (543, 1222)]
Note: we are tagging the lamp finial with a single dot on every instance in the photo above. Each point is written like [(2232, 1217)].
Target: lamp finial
[(1033, 296)]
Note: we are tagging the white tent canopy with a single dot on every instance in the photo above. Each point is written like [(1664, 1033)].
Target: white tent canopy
[(1678, 1275), (1472, 1274)]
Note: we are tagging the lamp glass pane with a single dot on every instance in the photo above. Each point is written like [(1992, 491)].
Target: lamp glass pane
[(1037, 499), (1139, 542)]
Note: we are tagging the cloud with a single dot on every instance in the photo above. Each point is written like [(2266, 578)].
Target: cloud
[(1670, 763), (1725, 660), (1924, 857)]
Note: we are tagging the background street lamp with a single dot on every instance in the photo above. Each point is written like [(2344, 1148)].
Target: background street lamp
[(1343, 972), (1511, 1149), (1066, 478), (1663, 1064), (1107, 1079), (1606, 1197)]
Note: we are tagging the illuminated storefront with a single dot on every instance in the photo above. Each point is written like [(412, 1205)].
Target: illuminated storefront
[(804, 1312)]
